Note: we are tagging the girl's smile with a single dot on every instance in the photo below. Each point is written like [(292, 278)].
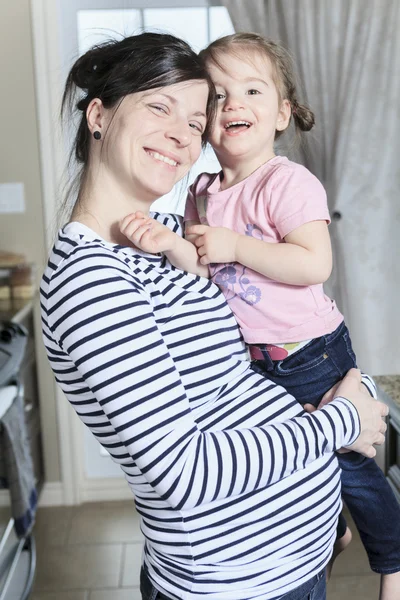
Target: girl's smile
[(249, 111)]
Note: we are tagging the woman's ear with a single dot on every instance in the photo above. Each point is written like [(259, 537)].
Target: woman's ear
[(95, 117), (285, 112)]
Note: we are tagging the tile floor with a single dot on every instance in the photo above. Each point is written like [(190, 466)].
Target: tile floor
[(93, 552)]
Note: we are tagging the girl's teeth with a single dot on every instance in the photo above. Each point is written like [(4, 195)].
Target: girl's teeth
[(246, 123), (165, 159)]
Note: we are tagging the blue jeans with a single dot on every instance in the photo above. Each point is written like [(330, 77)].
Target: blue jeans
[(314, 589), (308, 374)]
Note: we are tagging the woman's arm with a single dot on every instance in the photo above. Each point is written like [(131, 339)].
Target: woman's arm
[(104, 322)]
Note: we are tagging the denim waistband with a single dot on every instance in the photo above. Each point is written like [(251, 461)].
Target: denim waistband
[(149, 592)]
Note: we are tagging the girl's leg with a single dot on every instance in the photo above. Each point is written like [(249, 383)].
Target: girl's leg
[(390, 586), (376, 514), (342, 541)]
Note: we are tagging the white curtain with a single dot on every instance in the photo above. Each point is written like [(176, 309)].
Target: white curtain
[(348, 59)]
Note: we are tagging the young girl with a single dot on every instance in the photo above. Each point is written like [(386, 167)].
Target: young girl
[(260, 227)]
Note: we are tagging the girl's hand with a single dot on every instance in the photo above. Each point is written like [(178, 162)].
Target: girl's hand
[(147, 234), (214, 244)]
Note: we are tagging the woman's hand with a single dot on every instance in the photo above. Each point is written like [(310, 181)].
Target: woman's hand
[(370, 411), (147, 234)]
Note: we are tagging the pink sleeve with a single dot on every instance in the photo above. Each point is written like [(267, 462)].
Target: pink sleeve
[(297, 197), (191, 213)]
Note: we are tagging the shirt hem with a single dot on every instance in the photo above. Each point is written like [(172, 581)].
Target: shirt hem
[(295, 334)]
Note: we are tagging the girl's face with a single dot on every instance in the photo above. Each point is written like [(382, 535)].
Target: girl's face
[(249, 110), (154, 138)]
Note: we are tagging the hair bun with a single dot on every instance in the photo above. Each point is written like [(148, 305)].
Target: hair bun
[(84, 71)]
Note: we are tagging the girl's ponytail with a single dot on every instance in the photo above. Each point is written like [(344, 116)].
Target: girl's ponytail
[(303, 117)]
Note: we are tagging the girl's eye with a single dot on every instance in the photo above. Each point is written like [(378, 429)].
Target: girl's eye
[(220, 96), (253, 92)]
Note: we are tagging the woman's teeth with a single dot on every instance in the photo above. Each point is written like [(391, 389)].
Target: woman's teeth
[(165, 159)]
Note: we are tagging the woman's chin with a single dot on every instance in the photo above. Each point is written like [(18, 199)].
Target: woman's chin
[(160, 191)]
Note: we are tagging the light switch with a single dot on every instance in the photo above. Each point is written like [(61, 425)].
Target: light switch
[(12, 198)]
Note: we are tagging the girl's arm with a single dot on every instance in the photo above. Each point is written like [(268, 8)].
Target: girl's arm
[(305, 258), (103, 321), (294, 204), (153, 237), (187, 258)]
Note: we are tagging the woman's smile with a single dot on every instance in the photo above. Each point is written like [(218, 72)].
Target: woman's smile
[(163, 157)]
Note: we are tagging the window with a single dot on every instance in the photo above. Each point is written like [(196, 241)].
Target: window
[(194, 22)]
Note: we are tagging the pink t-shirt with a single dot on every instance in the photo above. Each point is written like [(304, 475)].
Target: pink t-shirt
[(273, 201)]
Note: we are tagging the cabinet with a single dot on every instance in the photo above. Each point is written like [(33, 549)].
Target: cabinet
[(21, 312), (18, 556)]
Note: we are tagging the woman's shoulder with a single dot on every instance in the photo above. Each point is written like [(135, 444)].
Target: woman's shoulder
[(170, 220), (78, 253)]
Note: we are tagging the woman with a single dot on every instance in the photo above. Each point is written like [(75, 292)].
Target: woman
[(227, 473)]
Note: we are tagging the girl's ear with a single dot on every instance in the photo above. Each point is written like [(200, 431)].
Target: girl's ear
[(285, 112), (95, 115)]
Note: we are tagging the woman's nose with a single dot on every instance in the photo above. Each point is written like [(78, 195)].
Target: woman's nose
[(180, 131)]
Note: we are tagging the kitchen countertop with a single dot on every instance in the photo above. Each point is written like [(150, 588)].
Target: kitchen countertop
[(390, 384)]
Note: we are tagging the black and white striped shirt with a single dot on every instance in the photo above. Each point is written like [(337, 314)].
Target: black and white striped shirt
[(238, 489)]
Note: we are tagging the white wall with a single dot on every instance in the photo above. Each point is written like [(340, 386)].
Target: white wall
[(19, 162)]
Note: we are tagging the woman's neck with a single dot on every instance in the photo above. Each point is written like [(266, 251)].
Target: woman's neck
[(235, 170), (101, 206)]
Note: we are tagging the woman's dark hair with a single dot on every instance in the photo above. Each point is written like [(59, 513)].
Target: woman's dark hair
[(112, 70)]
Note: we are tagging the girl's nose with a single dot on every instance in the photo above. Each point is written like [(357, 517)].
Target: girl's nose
[(233, 103)]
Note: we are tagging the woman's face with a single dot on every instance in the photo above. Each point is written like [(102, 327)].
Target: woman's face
[(154, 138)]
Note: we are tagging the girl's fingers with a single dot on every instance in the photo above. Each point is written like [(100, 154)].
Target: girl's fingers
[(132, 216), (201, 251), (126, 220), (133, 226), (204, 260), (197, 229), (136, 235), (199, 241)]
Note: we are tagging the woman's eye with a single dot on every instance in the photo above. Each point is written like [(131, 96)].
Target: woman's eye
[(220, 96), (196, 126), (159, 107), (253, 92)]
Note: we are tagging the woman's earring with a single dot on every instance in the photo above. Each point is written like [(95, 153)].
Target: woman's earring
[(97, 135)]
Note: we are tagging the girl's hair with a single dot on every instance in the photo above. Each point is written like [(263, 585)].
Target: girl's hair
[(282, 69), (112, 70)]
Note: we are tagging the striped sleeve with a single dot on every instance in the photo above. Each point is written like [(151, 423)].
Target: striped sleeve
[(370, 385), (127, 367)]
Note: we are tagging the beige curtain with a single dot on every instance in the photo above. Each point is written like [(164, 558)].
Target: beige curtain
[(348, 59)]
